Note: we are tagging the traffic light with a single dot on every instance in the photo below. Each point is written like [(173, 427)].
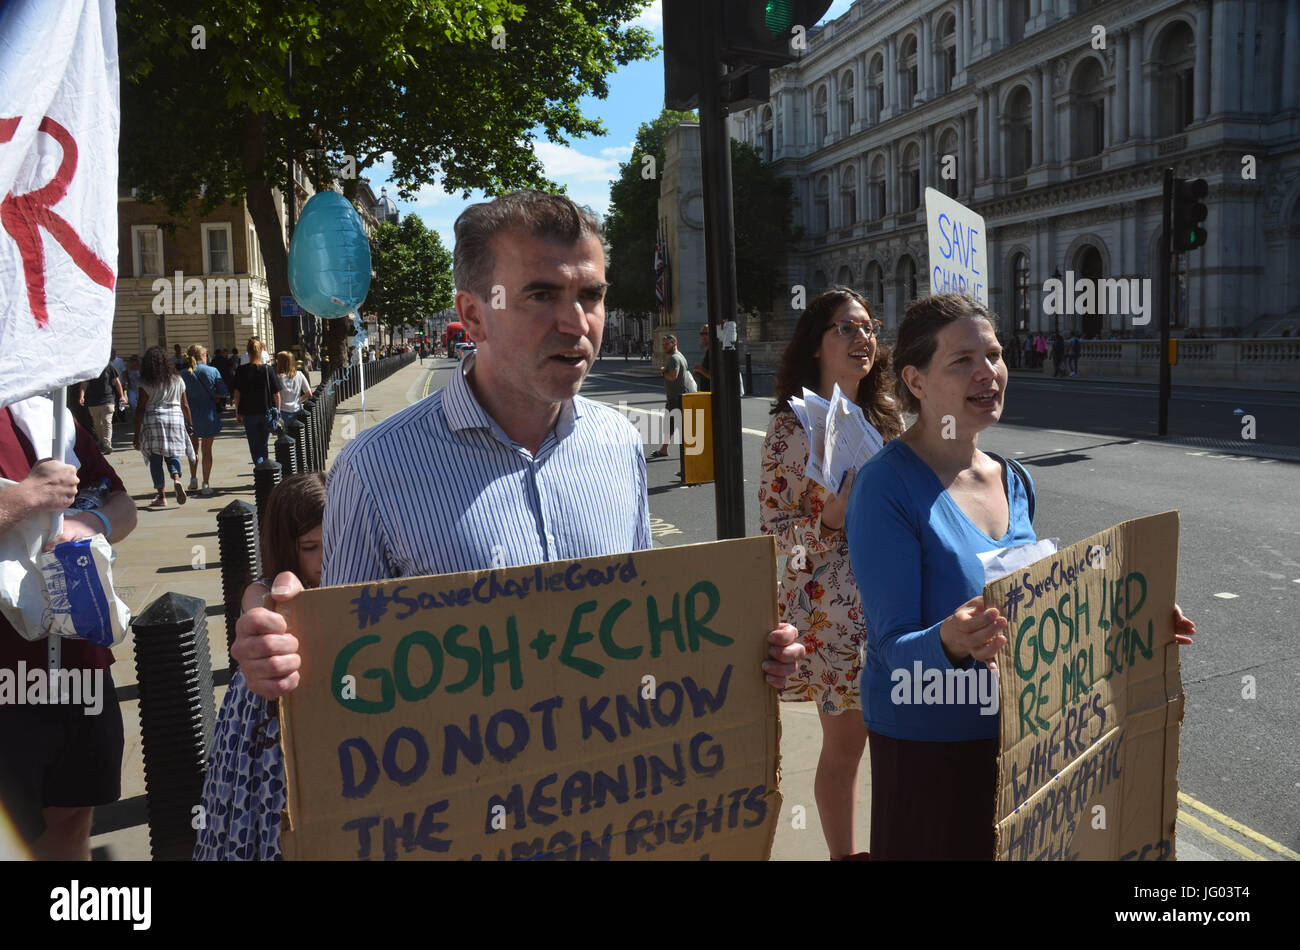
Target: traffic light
[(767, 32), (755, 33), (1189, 212)]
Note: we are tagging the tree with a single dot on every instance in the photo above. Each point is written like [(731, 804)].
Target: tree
[(412, 273), (763, 215), (454, 92)]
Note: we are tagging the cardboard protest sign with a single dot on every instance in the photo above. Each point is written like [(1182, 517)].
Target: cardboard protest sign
[(1091, 699), (608, 708), (959, 254)]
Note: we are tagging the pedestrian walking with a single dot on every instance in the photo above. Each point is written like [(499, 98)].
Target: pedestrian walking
[(257, 399), (162, 423), (921, 512), (677, 382), (294, 387), (1072, 353), (243, 788), (833, 342), (1058, 354), (102, 397), (207, 394), (1040, 350)]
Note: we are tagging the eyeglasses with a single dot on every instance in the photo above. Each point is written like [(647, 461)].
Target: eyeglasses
[(850, 328)]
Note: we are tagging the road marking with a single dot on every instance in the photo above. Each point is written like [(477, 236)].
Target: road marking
[(1224, 595), (1238, 827), (1188, 819)]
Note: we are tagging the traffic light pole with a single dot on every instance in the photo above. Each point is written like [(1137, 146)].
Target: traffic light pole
[(720, 261), (1166, 265)]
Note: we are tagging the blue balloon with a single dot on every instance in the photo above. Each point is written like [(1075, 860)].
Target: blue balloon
[(329, 257)]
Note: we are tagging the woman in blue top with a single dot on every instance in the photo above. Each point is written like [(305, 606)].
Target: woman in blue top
[(206, 392), (920, 513)]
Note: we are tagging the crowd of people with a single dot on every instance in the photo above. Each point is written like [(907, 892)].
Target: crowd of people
[(886, 572)]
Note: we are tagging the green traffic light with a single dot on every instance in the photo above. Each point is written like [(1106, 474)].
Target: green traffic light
[(778, 16)]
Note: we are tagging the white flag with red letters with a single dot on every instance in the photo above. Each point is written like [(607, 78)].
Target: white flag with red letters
[(59, 121)]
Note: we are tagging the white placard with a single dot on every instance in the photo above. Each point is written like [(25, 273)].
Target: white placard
[(958, 250)]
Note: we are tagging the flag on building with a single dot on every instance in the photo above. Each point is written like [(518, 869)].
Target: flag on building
[(663, 292), (59, 122)]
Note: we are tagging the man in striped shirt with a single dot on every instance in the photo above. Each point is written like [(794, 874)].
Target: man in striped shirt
[(524, 469)]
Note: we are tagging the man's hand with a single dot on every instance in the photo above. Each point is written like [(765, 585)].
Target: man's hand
[(785, 653), (49, 486), (267, 653)]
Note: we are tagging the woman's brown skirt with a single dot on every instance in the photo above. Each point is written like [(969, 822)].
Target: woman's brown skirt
[(933, 801)]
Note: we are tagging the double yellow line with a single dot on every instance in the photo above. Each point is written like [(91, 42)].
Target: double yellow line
[(1185, 817)]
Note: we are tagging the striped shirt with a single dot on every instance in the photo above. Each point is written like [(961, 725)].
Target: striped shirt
[(440, 488)]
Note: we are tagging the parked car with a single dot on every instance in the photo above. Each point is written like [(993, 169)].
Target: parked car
[(463, 348)]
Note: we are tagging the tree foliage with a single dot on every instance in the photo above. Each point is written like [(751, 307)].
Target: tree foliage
[(412, 273), (448, 91), (762, 209)]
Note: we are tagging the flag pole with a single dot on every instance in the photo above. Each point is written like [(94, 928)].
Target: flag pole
[(59, 396)]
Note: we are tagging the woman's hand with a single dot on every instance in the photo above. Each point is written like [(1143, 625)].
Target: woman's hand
[(1183, 628), (973, 632), (834, 510)]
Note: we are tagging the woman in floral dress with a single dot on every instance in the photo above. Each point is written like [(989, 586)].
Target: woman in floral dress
[(834, 342)]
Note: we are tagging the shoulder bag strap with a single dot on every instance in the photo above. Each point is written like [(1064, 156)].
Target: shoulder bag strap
[(1024, 480)]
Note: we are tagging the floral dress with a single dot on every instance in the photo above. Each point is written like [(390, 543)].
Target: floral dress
[(819, 595), (243, 791)]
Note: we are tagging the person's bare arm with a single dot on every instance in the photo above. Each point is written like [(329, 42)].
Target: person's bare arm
[(142, 401), (50, 486)]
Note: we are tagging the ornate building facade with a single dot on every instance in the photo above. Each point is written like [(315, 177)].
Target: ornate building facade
[(1054, 120)]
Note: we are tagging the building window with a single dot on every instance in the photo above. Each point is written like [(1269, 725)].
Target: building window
[(1088, 111), (216, 249), (765, 134), (876, 190), (1019, 132), (1017, 15), (819, 119), (1020, 281), (846, 103), (845, 277), (906, 282), (948, 54), (147, 250), (822, 206), (876, 83), (875, 289), (255, 263), (848, 197), (1088, 265), (911, 178), (223, 331), (1176, 61), (907, 72)]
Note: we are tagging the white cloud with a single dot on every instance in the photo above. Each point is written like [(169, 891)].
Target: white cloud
[(566, 164), (652, 17), (617, 151)]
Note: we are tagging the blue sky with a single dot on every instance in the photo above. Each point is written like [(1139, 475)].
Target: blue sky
[(585, 166)]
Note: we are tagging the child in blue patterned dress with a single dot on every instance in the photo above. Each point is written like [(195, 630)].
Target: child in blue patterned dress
[(243, 792)]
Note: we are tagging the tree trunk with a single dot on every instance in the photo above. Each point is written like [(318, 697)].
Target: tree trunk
[(270, 230)]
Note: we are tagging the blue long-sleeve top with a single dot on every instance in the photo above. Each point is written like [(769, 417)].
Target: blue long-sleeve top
[(915, 556)]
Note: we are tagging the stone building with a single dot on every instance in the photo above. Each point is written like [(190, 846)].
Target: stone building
[(1053, 119)]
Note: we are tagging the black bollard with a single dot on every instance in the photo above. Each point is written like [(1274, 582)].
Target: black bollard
[(297, 434), (241, 558), (265, 477), (309, 439), (284, 451), (177, 718)]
